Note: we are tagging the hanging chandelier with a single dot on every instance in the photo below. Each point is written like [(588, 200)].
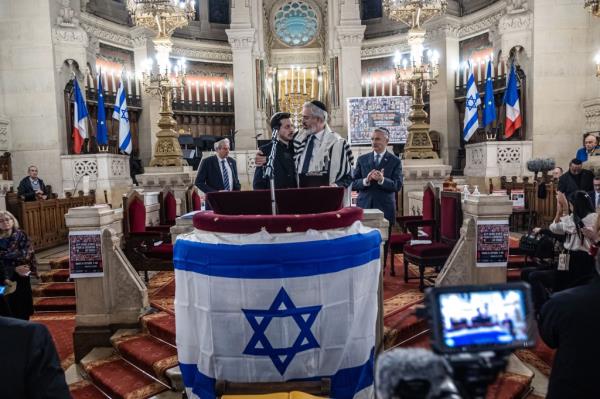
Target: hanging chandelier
[(593, 6), (414, 12), (161, 16)]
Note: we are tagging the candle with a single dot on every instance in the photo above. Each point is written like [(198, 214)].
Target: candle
[(129, 83), (139, 82), (205, 94), (228, 87), (189, 91), (397, 89), (285, 91), (368, 84), (182, 93), (391, 80), (105, 81), (375, 88), (221, 92), (212, 91), (320, 81), (456, 82), (312, 84), (197, 91), (466, 66), (304, 81), (112, 77)]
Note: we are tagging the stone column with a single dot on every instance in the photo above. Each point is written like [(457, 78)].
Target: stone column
[(443, 111), (204, 20), (115, 299), (148, 123), (350, 38), (461, 267), (242, 41)]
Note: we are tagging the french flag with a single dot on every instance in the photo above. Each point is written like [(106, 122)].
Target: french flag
[(80, 120), (513, 109)]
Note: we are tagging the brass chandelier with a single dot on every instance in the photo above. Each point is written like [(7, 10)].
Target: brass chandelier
[(163, 17), (414, 12), (593, 6)]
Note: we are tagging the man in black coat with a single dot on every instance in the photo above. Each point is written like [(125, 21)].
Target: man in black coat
[(570, 323), (284, 167), (218, 172), (30, 367), (32, 187), (575, 179)]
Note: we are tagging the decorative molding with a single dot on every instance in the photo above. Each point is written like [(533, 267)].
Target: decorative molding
[(479, 26), (111, 37), (203, 54), (512, 22), (241, 39), (67, 29), (591, 110), (4, 134), (447, 30), (350, 36)]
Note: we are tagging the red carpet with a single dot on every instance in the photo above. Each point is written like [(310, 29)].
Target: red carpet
[(54, 304), (54, 289), (55, 275), (161, 325), (61, 326), (120, 380), (85, 390), (148, 353)]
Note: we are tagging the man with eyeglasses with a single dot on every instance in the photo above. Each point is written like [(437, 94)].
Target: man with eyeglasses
[(32, 187), (322, 156)]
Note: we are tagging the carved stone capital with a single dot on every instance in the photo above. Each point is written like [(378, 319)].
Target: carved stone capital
[(350, 36), (69, 35), (591, 110), (480, 25), (512, 22), (451, 30), (241, 39)]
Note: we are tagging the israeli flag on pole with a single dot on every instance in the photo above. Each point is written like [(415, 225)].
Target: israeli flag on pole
[(277, 307), (472, 101), (121, 114)]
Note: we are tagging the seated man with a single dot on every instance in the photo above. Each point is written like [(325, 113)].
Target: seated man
[(590, 147), (576, 178), (32, 187)]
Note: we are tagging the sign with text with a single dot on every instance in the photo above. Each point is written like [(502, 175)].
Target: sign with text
[(367, 113), (85, 254), (492, 243)]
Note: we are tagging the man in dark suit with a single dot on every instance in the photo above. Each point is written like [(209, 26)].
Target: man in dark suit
[(378, 177), (575, 179), (595, 194), (284, 167), (569, 322), (30, 367), (32, 187), (218, 172)]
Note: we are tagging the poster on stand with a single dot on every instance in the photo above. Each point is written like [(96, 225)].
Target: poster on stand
[(85, 254), (492, 243), (367, 113)]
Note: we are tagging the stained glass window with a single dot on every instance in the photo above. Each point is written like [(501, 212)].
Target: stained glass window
[(296, 23)]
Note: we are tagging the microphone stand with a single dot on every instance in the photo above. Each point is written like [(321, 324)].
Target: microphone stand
[(269, 170)]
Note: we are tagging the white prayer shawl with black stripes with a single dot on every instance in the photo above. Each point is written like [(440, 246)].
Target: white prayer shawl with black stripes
[(333, 155)]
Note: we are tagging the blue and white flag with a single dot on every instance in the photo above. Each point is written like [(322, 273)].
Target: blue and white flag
[(277, 307), (472, 101), (121, 114), (489, 106)]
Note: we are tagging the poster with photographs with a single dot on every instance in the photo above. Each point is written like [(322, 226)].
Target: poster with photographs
[(367, 113), (492, 243), (85, 254)]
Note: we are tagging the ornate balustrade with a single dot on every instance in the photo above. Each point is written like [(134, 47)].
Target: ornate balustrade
[(44, 221), (498, 158)]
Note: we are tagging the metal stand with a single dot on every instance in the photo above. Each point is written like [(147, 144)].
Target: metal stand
[(269, 171)]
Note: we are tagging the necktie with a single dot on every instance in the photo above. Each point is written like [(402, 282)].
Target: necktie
[(377, 159), (225, 176), (308, 154)]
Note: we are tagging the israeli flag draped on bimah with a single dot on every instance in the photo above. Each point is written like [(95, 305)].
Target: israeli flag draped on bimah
[(276, 307), (121, 114), (472, 101)]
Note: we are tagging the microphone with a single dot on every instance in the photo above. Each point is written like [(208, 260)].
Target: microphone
[(411, 373)]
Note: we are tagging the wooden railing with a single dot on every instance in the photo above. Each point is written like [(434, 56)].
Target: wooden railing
[(544, 208), (44, 221)]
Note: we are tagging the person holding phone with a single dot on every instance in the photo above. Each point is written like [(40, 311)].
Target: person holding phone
[(18, 262)]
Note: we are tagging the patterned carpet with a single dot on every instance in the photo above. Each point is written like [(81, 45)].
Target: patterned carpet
[(61, 326)]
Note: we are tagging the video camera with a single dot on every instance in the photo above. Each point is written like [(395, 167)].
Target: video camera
[(474, 329)]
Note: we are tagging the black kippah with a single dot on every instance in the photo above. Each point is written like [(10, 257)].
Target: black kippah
[(319, 104), (277, 117)]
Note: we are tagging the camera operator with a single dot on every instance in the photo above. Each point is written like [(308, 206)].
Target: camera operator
[(569, 323)]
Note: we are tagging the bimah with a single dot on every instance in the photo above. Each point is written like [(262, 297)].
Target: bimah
[(273, 298)]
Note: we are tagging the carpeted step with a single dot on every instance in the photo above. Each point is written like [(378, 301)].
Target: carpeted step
[(509, 386), (54, 289), (402, 326), (120, 380), (57, 303), (60, 263), (147, 353), (61, 326), (56, 275), (85, 390), (161, 325), (513, 274)]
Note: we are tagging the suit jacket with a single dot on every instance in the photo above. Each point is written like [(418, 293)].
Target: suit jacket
[(26, 190), (30, 367), (210, 177), (567, 184), (570, 323), (284, 168), (375, 195), (592, 195)]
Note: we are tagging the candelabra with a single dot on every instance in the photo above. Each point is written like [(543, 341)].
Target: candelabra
[(597, 60), (163, 17), (419, 75), (593, 6)]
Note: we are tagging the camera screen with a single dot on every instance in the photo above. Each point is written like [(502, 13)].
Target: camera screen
[(483, 318)]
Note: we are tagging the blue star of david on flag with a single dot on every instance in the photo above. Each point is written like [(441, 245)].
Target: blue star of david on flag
[(472, 102), (124, 116), (282, 307)]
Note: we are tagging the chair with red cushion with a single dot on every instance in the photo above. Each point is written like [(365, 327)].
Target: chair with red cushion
[(443, 235), (193, 199), (146, 247), (429, 212), (168, 207)]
